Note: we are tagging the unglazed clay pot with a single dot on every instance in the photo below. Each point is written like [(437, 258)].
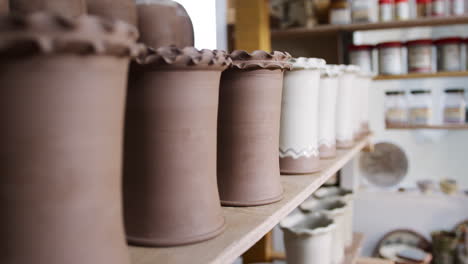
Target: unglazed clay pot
[(298, 149), (345, 107), (4, 7), (335, 209), (248, 128), (114, 9), (327, 111), (348, 197), (164, 23), (67, 8), (308, 239), (62, 108), (170, 191)]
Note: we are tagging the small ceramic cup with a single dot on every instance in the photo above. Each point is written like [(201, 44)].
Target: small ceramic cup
[(298, 149), (335, 209), (329, 82), (346, 105), (249, 127), (308, 238)]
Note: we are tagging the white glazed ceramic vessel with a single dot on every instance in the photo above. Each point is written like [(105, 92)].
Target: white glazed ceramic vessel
[(299, 117), (335, 209), (329, 82), (308, 238), (348, 197), (345, 107), (366, 80)]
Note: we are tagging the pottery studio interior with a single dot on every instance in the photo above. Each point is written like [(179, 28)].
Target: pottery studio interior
[(233, 131)]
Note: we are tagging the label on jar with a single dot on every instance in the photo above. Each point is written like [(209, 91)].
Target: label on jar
[(390, 61), (454, 115), (395, 115), (420, 59), (420, 115), (340, 16), (386, 12), (438, 8), (363, 59), (450, 57), (402, 11), (361, 11), (457, 7)]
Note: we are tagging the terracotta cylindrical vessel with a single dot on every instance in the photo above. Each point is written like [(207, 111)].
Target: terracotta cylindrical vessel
[(170, 191), (68, 8), (348, 197), (114, 9), (4, 7), (248, 128), (335, 209), (61, 109), (164, 23), (329, 82), (308, 238), (345, 111), (298, 151)]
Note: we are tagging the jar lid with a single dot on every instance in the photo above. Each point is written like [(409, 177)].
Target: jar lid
[(401, 1), (188, 57), (385, 1), (260, 59), (360, 47), (455, 91), (450, 40), (44, 33), (389, 44), (331, 70), (420, 92), (395, 93), (420, 42), (423, 1), (307, 63)]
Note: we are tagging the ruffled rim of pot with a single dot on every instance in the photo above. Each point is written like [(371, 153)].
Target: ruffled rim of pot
[(45, 33), (308, 63), (314, 205), (331, 70), (173, 57), (260, 59), (350, 68), (328, 192), (293, 224)]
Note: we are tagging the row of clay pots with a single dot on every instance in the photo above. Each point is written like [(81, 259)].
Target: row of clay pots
[(324, 107), (160, 22), (320, 233)]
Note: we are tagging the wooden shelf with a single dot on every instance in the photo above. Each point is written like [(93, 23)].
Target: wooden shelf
[(334, 29), (247, 225), (352, 253), (421, 75), (448, 127)]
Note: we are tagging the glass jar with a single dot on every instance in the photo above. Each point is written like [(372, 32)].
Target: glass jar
[(420, 56), (439, 7), (457, 7), (402, 10), (363, 11), (361, 55), (395, 108), (449, 54), (423, 8), (385, 10), (420, 110), (454, 106), (340, 12), (390, 58)]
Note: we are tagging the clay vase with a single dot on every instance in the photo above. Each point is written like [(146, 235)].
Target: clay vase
[(170, 191), (114, 9), (4, 7), (163, 23), (248, 128), (308, 239), (67, 8), (61, 109), (345, 108), (298, 149), (334, 209), (327, 111)]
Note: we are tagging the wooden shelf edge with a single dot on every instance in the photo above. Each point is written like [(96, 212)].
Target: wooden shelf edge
[(247, 225), (332, 29), (421, 75), (442, 127)]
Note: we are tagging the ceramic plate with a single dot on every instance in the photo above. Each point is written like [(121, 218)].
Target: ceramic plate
[(405, 237)]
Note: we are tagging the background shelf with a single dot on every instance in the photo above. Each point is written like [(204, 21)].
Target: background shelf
[(449, 127), (421, 75)]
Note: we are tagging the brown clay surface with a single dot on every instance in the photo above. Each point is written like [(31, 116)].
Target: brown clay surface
[(114, 9), (327, 152), (302, 165), (4, 7), (68, 8)]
